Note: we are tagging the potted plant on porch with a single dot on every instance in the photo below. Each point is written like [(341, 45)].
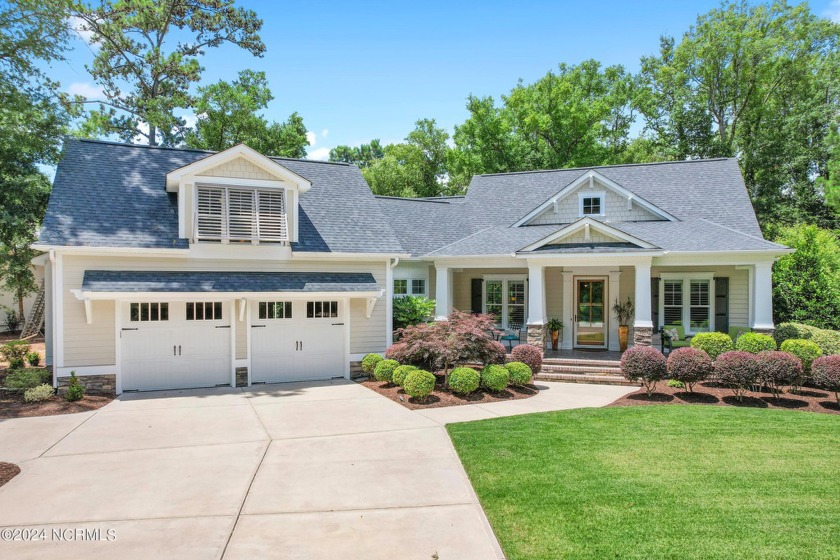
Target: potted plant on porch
[(623, 313), (554, 326)]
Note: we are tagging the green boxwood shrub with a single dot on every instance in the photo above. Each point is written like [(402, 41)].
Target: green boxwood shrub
[(15, 352), (464, 380), (27, 378), (34, 358), (39, 393), (75, 389), (806, 350), (712, 343), (419, 383), (384, 370), (754, 343), (827, 340), (398, 378), (369, 363), (520, 374), (494, 377)]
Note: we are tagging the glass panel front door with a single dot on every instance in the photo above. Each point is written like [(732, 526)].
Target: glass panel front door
[(590, 318)]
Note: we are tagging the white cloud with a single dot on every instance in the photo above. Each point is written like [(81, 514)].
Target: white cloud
[(311, 137), (78, 25), (320, 154), (190, 119), (325, 133), (85, 89), (833, 11)]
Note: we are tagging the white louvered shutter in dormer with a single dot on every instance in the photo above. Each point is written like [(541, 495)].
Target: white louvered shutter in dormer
[(211, 213), (272, 216), (242, 214)]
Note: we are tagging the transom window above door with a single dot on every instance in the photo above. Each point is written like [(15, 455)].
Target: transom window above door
[(152, 311), (505, 299), (204, 311), (240, 214), (275, 310)]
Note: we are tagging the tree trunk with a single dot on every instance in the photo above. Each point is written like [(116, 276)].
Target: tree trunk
[(20, 308), (152, 135)]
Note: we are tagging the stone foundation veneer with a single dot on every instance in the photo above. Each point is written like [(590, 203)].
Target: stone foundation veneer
[(536, 336), (642, 336), (93, 383), (356, 370), (765, 331), (241, 377)]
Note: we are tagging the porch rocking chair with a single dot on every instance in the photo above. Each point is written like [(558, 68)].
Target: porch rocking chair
[(515, 334)]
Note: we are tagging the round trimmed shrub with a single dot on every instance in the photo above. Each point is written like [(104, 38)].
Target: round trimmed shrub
[(825, 371), (419, 383), (39, 393), (496, 352), (464, 380), (369, 362), (827, 340), (494, 377), (776, 369), (529, 355), (520, 373), (645, 364), (400, 373), (712, 343), (805, 350), (34, 358), (738, 369), (384, 370), (689, 365), (754, 342)]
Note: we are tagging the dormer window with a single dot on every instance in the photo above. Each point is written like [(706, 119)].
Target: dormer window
[(228, 214), (591, 204)]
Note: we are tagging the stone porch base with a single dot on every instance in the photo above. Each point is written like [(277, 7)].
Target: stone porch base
[(642, 336), (92, 383)]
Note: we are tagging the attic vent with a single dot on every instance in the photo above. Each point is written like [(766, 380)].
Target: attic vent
[(234, 214)]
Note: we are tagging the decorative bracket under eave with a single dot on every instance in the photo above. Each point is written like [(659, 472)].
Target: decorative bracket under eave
[(88, 311), (371, 303)]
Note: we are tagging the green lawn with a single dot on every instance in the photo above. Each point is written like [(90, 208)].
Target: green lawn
[(658, 482)]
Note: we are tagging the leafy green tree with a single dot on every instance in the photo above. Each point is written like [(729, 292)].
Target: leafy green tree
[(831, 183), (229, 113), (756, 81), (363, 156), (148, 57), (806, 284), (412, 310), (31, 32)]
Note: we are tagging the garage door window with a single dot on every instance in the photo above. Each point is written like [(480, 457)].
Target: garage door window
[(204, 311), (150, 311), (321, 309), (275, 310)]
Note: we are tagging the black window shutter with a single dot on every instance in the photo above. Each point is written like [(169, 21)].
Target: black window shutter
[(654, 302), (722, 304), (475, 295)]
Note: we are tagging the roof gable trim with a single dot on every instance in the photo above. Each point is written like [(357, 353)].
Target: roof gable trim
[(589, 223)]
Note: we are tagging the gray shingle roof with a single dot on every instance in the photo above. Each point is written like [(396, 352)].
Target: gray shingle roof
[(131, 281), (113, 195), (708, 198)]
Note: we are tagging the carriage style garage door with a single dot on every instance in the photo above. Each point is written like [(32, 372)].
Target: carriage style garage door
[(175, 345), (297, 340)]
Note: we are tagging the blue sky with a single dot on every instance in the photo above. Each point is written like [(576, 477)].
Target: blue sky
[(363, 70)]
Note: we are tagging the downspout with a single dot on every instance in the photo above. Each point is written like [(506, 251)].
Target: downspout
[(52, 312), (389, 302)]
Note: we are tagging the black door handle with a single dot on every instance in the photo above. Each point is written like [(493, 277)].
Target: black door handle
[(173, 350), (301, 345), (179, 349)]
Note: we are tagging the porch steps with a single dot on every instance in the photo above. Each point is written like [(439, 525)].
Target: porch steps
[(599, 379), (582, 370)]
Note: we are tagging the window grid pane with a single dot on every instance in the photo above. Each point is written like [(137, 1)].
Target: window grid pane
[(400, 287), (418, 287), (154, 311), (321, 309), (204, 311)]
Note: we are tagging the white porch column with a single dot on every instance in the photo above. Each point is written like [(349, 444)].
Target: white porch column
[(443, 292), (612, 294), (643, 324), (762, 300), (568, 310), (536, 295)]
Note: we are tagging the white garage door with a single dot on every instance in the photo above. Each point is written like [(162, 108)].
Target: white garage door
[(296, 341), (175, 345)]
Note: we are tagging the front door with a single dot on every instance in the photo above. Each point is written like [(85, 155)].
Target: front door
[(590, 313)]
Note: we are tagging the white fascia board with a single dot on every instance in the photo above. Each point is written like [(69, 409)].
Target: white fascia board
[(173, 178), (593, 224), (111, 251), (315, 255), (219, 296), (612, 185), (710, 258), (478, 261), (583, 259)]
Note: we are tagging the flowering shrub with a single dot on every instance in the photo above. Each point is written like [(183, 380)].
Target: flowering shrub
[(712, 343), (738, 369), (384, 370), (520, 374), (825, 372), (464, 380), (400, 373), (494, 378), (775, 369), (754, 342), (528, 354), (462, 338), (645, 364), (805, 350), (496, 353), (689, 365), (419, 383), (369, 362)]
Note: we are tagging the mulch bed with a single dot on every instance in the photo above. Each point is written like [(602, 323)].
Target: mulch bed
[(12, 405), (712, 393), (442, 396), (7, 472)]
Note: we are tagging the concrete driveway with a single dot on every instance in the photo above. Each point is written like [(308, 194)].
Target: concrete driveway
[(305, 470)]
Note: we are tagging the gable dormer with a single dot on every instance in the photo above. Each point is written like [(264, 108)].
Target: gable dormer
[(588, 232), (593, 195), (237, 196)]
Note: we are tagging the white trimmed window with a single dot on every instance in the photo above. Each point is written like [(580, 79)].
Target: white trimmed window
[(152, 311), (275, 310), (409, 287), (239, 214), (506, 299), (204, 310), (686, 300), (591, 203), (321, 309)]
